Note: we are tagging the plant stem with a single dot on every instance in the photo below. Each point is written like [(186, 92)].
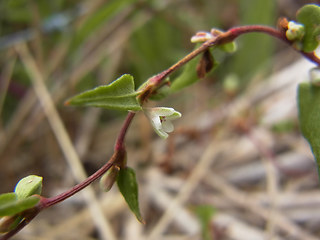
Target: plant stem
[(118, 154), (155, 81), (48, 202), (226, 37), (120, 140)]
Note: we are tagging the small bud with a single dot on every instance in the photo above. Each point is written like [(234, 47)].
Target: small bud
[(109, 178), (215, 32), (283, 24), (295, 31), (201, 37), (315, 76)]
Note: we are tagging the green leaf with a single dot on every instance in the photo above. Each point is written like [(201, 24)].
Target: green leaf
[(7, 197), (188, 76), (28, 186), (15, 206), (205, 213), (99, 18), (228, 47), (119, 95), (309, 16), (128, 187), (309, 117), (161, 93)]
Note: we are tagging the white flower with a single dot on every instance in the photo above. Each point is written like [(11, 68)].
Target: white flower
[(160, 118)]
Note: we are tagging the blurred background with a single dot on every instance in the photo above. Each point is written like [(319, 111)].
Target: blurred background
[(236, 166)]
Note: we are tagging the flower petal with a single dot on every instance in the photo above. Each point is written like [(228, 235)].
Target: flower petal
[(174, 116), (162, 111), (161, 133), (167, 126), (156, 122)]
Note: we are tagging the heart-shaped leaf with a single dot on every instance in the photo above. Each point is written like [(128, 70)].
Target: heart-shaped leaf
[(309, 117), (309, 16), (28, 186), (128, 187), (119, 95)]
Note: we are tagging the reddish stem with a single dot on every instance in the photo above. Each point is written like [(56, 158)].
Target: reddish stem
[(48, 202), (120, 141), (226, 37), (153, 84)]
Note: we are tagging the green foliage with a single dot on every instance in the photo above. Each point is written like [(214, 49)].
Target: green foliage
[(254, 50), (21, 199), (119, 95), (189, 74), (12, 205), (309, 117), (205, 213), (128, 187), (28, 186), (187, 77), (7, 197), (230, 47), (100, 17), (284, 126), (153, 47), (309, 16)]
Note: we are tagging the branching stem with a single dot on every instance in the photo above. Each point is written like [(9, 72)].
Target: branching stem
[(153, 84)]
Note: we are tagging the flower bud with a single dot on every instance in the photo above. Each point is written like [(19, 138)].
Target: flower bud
[(108, 179), (295, 31)]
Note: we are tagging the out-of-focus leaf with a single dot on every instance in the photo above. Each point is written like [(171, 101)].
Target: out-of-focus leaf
[(189, 75), (16, 206), (205, 213), (100, 17), (254, 49), (9, 223), (119, 95), (309, 117), (7, 197), (228, 47), (128, 187), (161, 93), (309, 16), (28, 186)]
